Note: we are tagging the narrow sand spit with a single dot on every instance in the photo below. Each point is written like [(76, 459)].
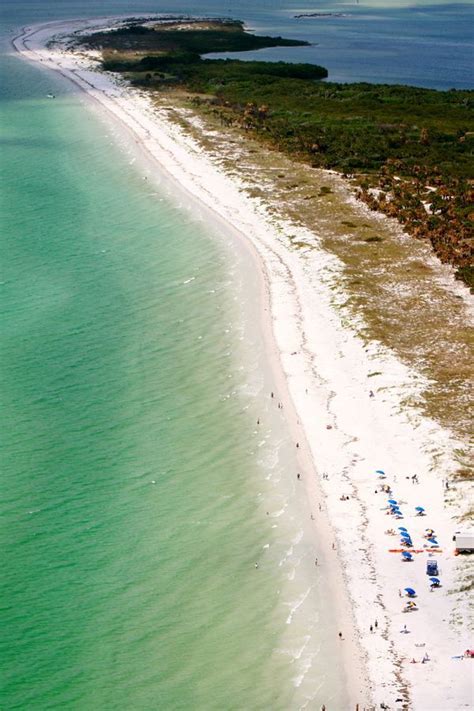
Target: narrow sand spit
[(343, 433)]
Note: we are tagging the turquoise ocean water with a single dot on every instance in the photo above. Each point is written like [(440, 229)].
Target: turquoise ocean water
[(130, 516), (137, 491)]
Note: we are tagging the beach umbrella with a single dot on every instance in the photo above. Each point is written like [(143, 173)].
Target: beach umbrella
[(380, 471), (436, 581), (407, 555), (432, 540), (405, 534), (393, 502), (410, 592), (419, 508), (402, 528)]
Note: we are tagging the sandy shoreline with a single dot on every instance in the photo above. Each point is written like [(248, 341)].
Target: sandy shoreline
[(344, 435)]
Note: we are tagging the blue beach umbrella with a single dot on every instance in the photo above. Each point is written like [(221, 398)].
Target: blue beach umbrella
[(433, 540), (392, 502), (436, 581), (380, 471), (419, 508), (407, 555), (402, 528), (410, 592), (405, 534)]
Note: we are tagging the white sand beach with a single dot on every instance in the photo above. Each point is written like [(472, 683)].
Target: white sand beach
[(346, 427)]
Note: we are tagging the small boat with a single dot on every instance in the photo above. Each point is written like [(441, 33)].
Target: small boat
[(50, 96)]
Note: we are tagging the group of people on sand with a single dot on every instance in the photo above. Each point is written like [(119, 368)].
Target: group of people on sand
[(423, 661), (280, 404), (280, 407)]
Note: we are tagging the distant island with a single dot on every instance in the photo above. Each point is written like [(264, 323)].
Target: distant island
[(319, 14), (408, 149)]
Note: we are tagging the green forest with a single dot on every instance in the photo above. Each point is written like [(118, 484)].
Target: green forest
[(409, 149)]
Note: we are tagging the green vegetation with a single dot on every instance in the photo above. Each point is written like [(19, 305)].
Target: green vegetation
[(409, 149), (197, 37), (188, 69)]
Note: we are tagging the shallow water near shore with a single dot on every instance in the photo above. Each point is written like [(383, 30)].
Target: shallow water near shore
[(156, 548)]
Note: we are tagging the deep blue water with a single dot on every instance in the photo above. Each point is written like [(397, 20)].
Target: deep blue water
[(423, 44)]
